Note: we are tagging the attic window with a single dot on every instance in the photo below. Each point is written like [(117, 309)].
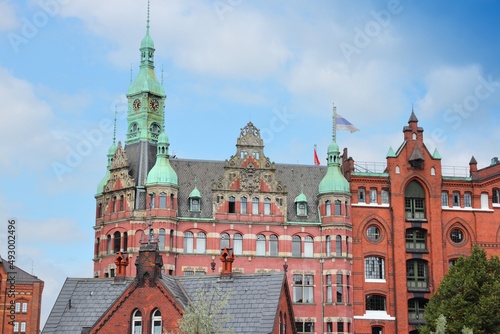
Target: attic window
[(301, 208), (194, 204), (414, 136)]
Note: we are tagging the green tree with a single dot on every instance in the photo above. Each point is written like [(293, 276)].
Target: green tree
[(205, 313), (468, 296)]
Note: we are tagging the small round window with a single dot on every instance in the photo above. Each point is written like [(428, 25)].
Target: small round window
[(456, 235), (373, 233)]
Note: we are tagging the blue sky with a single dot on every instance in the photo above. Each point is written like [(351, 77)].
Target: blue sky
[(65, 67)]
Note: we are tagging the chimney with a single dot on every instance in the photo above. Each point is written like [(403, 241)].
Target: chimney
[(121, 263), (149, 264), (227, 259)]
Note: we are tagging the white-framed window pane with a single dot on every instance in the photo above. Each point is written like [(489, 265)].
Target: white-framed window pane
[(24, 308), (255, 206), (201, 243), (243, 205), (238, 244), (224, 240), (328, 245), (267, 206), (273, 245), (467, 200), (444, 198), (308, 246), (161, 240), (261, 245), (17, 307), (296, 246), (188, 242), (328, 208), (23, 327), (385, 197), (373, 196), (374, 268)]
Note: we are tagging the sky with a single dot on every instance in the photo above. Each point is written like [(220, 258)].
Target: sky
[(65, 66)]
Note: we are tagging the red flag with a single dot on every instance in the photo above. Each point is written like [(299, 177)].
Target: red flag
[(316, 159)]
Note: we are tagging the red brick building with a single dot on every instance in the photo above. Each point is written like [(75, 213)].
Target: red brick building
[(365, 246), (20, 300), (154, 303)]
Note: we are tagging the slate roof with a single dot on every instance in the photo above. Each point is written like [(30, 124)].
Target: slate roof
[(253, 303), (254, 300), (90, 298), (21, 275), (206, 172)]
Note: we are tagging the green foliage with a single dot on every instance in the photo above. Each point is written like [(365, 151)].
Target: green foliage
[(468, 297), (205, 312), (441, 326)]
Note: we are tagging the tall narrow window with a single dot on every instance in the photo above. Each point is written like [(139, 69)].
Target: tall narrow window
[(340, 289), (195, 204), (201, 243), (328, 246), (468, 200), (328, 208), (444, 198), (125, 241), (416, 239), (156, 322), (188, 242), (113, 204), (361, 195), (273, 245), (23, 327), (137, 322), (224, 240), (161, 239), (171, 241), (416, 310), (308, 246), (17, 307), (163, 201), (261, 245), (116, 242), (296, 246), (122, 200), (238, 244), (267, 206), (99, 210), (338, 245), (456, 199), (416, 274), (373, 196), (231, 204), (172, 198), (152, 199), (495, 198), (243, 205), (108, 246), (328, 287), (385, 196), (338, 205), (255, 206)]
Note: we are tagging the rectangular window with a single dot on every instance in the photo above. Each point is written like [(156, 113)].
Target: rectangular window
[(16, 327), (255, 206), (374, 268), (340, 288), (304, 327), (23, 327), (361, 195), (231, 205), (24, 308), (375, 303), (444, 198), (385, 196), (414, 208), (456, 199), (348, 294), (496, 196), (416, 240), (189, 273), (468, 200), (243, 205), (340, 327), (416, 274), (303, 289), (17, 307), (328, 288), (373, 196), (267, 206)]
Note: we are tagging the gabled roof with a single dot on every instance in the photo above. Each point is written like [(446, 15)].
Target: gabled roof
[(21, 275), (81, 302)]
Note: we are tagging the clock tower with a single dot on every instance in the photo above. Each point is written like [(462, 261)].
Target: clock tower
[(146, 103)]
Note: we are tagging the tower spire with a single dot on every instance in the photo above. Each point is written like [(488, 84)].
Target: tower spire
[(114, 130), (147, 21), (334, 127)]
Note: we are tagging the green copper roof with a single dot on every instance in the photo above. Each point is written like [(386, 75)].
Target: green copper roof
[(195, 193), (147, 41), (436, 154), (391, 153), (162, 172), (301, 198), (105, 179)]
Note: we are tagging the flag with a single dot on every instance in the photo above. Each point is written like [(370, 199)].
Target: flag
[(344, 125), (316, 159)]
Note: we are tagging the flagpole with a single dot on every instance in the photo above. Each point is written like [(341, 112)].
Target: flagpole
[(334, 132)]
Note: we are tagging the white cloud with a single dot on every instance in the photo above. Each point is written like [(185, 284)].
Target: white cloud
[(8, 20)]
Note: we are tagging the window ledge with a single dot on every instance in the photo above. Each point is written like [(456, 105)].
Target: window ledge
[(374, 280), (417, 251), (375, 315), (456, 208), (384, 205)]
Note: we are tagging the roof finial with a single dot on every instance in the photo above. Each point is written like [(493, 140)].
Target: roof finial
[(162, 74), (114, 130), (147, 22), (130, 73)]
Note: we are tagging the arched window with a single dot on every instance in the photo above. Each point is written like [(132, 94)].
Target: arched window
[(161, 239), (224, 240), (414, 201), (108, 246), (328, 246), (261, 245), (195, 204), (338, 211), (172, 197), (255, 206), (188, 242), (296, 246), (163, 201), (308, 246), (231, 205), (201, 243), (137, 322), (125, 241), (238, 244), (328, 208), (152, 199), (116, 242), (273, 245), (243, 205), (156, 322), (267, 206), (338, 245)]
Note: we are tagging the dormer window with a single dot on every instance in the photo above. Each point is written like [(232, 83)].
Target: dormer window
[(302, 209), (194, 204)]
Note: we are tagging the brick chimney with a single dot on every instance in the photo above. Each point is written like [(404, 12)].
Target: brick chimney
[(227, 259), (149, 264), (121, 263)]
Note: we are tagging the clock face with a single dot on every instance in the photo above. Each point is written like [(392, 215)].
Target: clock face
[(154, 105), (136, 104)]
